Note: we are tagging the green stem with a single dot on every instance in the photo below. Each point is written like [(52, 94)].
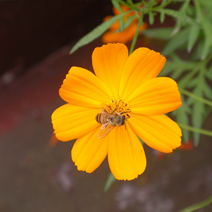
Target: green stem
[(198, 98), (136, 34), (197, 205), (193, 129)]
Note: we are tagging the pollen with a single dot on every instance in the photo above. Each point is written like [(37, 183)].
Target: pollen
[(119, 106)]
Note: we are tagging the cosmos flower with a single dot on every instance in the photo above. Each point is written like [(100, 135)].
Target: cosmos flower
[(123, 37), (187, 146), (130, 88)]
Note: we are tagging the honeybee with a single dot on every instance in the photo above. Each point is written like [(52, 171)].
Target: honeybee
[(109, 121)]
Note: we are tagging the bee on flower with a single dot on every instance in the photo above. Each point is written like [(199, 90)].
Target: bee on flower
[(107, 112)]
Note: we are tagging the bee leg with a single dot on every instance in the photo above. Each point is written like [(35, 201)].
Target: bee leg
[(104, 126), (114, 110)]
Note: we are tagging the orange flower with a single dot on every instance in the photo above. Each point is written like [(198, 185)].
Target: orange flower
[(110, 36), (187, 146), (53, 140), (129, 90)]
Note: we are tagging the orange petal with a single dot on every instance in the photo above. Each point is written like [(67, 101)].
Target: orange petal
[(82, 88), (158, 132), (142, 65), (156, 96), (108, 62), (122, 37), (126, 155), (88, 151), (71, 122)]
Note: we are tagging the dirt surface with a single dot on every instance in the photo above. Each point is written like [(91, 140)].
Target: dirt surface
[(37, 177)]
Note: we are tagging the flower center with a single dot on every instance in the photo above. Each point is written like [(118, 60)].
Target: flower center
[(120, 107)]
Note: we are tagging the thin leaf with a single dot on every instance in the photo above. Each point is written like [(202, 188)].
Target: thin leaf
[(182, 117), (193, 35), (181, 16), (207, 29), (121, 24), (110, 180), (158, 33), (127, 23), (207, 90), (130, 1), (98, 31), (168, 68), (198, 50), (141, 140), (193, 83), (177, 72), (117, 5), (177, 40), (162, 17), (206, 47), (151, 18), (163, 2), (182, 83), (180, 22), (197, 119), (209, 74)]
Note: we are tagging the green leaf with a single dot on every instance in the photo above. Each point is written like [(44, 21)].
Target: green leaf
[(98, 31), (193, 35), (130, 1), (158, 33), (179, 22), (209, 74), (117, 5), (176, 41), (198, 50), (127, 23), (110, 180), (181, 16), (163, 3), (206, 47), (121, 24), (197, 119), (193, 83), (141, 140), (162, 17), (207, 29), (168, 68), (206, 3), (207, 90), (182, 117), (177, 72), (151, 18)]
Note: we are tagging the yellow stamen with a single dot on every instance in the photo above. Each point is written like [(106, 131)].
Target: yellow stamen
[(119, 106)]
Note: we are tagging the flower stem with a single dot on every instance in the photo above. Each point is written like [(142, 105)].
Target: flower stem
[(136, 34), (197, 205), (193, 129), (198, 98)]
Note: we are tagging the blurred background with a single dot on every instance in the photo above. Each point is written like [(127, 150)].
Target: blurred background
[(36, 172)]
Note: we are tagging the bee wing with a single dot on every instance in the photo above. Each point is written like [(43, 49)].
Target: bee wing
[(105, 130)]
